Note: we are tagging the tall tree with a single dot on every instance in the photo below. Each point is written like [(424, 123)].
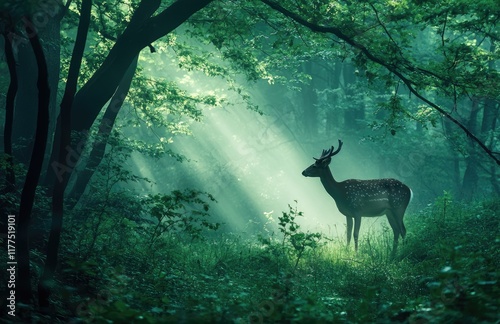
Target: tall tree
[(142, 30), (35, 167), (45, 283), (10, 177)]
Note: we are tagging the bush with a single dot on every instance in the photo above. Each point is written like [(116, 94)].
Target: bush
[(446, 271)]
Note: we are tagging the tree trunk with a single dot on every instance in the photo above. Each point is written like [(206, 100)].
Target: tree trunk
[(355, 110), (105, 127), (10, 178), (453, 174), (490, 116), (51, 35), (34, 170), (489, 124), (25, 105), (332, 114), (141, 31), (470, 180), (46, 280)]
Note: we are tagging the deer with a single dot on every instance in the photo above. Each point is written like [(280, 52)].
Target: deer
[(363, 198)]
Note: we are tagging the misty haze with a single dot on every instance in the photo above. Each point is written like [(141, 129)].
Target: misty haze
[(206, 161)]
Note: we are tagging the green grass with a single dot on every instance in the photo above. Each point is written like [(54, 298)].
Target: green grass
[(445, 271)]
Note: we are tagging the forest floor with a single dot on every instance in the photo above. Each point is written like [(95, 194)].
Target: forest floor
[(445, 271)]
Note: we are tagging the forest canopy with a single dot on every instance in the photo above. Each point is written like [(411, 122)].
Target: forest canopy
[(184, 119)]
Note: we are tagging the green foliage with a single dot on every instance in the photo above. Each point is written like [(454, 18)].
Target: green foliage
[(294, 243), (10, 199), (160, 103), (294, 239), (134, 259), (180, 211), (447, 271), (458, 247)]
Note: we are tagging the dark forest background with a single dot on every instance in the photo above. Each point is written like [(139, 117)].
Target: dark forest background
[(152, 154)]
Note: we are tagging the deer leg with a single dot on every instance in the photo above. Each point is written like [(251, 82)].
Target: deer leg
[(399, 214), (357, 225), (349, 229), (396, 229)]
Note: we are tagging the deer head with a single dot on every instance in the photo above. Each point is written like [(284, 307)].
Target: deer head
[(321, 165)]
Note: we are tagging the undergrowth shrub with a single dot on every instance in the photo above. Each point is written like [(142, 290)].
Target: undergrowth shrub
[(459, 246), (293, 242), (446, 271)]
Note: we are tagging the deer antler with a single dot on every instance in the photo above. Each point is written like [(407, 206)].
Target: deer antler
[(329, 153)]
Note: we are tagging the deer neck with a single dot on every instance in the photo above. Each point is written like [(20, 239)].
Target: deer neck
[(330, 184)]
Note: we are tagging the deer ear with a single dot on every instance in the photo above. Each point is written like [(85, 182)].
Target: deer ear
[(326, 162)]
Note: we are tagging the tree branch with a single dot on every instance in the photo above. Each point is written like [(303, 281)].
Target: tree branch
[(390, 67), (141, 32)]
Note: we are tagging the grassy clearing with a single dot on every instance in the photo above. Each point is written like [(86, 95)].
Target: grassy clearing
[(445, 271)]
